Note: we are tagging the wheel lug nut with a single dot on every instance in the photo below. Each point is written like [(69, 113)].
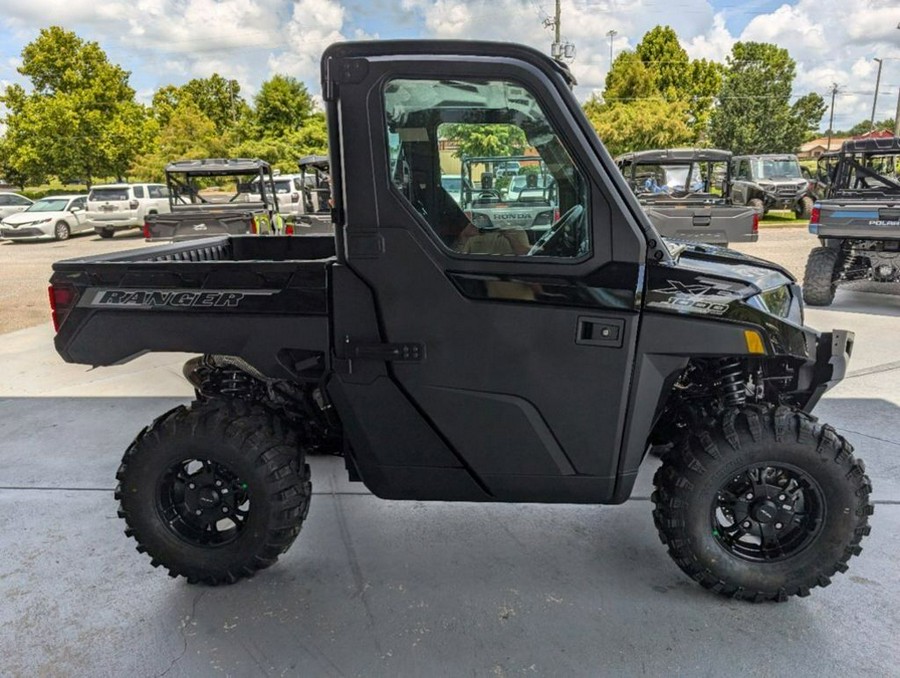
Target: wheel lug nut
[(782, 497), (224, 490), (224, 509), (218, 483), (198, 512), (778, 526), (747, 523), (749, 495), (191, 486)]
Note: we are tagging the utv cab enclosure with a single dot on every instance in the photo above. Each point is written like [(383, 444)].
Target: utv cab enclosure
[(451, 362)]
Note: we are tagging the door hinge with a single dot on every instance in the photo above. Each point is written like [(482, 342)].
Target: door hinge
[(407, 352)]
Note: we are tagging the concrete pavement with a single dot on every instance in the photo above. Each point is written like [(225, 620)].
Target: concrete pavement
[(377, 588)]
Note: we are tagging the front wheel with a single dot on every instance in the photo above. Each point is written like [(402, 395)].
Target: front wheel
[(106, 232), (214, 492), (767, 505), (61, 231), (803, 208)]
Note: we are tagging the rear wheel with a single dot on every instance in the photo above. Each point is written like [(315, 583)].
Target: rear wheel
[(803, 208), (106, 233), (214, 492), (61, 231), (767, 505), (758, 205), (820, 277)]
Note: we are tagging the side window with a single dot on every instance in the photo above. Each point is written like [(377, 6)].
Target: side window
[(482, 164), (4, 199), (155, 191), (138, 191), (18, 200), (80, 203)]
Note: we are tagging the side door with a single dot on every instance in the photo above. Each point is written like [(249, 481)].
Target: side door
[(78, 215), (479, 361)]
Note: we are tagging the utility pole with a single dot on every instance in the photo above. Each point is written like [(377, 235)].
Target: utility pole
[(875, 100), (611, 34), (558, 50), (834, 90), (897, 116)]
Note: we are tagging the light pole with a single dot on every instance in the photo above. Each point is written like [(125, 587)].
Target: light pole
[(612, 33), (875, 99), (834, 90)]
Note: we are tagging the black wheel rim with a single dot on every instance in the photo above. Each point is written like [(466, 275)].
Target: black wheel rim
[(203, 502), (768, 512)]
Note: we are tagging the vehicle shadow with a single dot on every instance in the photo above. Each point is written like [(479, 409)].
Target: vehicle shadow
[(865, 298)]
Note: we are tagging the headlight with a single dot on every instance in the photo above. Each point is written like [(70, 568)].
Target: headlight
[(782, 302), (41, 221)]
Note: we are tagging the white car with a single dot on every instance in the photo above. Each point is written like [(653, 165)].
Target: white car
[(10, 203), (56, 217), (116, 207)]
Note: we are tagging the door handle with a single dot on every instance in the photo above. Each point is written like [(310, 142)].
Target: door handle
[(600, 332)]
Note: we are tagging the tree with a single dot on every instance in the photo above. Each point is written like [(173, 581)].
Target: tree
[(282, 105), (79, 104), (754, 113), (217, 98), (864, 126), (639, 125), (188, 135), (491, 140), (659, 68)]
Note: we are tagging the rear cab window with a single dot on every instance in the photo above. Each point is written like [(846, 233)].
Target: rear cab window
[(109, 194)]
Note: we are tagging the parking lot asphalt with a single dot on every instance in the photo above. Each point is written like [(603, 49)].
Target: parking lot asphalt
[(383, 588)]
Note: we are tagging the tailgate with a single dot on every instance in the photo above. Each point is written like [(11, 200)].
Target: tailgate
[(879, 221), (709, 223)]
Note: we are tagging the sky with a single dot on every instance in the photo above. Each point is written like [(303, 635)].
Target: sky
[(165, 42)]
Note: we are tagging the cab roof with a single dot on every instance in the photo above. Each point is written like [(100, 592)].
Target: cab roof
[(676, 155), (876, 145)]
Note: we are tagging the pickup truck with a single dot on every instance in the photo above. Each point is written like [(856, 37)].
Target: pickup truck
[(858, 224), (252, 207), (453, 372), (685, 192)]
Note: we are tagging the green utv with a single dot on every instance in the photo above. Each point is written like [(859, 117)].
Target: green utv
[(452, 363)]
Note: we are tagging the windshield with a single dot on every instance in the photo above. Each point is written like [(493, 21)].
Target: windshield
[(109, 194), (769, 168), (49, 205)]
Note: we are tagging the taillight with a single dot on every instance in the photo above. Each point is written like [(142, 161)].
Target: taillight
[(254, 227), (814, 215), (62, 299), (289, 229), (133, 205), (295, 197), (755, 221), (146, 230), (555, 215)]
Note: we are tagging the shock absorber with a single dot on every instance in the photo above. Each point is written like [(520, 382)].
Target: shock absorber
[(732, 382)]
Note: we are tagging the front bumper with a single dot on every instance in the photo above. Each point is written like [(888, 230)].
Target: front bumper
[(832, 355), (16, 233)]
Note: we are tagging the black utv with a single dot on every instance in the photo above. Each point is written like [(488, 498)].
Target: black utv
[(771, 182), (454, 364), (858, 224)]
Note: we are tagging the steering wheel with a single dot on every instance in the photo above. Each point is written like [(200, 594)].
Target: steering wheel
[(562, 228)]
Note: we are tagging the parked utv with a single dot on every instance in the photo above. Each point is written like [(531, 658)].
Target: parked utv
[(250, 207), (686, 192), (858, 225), (771, 182), (448, 365)]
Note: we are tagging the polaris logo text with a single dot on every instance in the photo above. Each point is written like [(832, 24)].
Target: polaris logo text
[(172, 298), (884, 222)]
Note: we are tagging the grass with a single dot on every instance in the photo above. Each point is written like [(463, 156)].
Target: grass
[(782, 219)]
